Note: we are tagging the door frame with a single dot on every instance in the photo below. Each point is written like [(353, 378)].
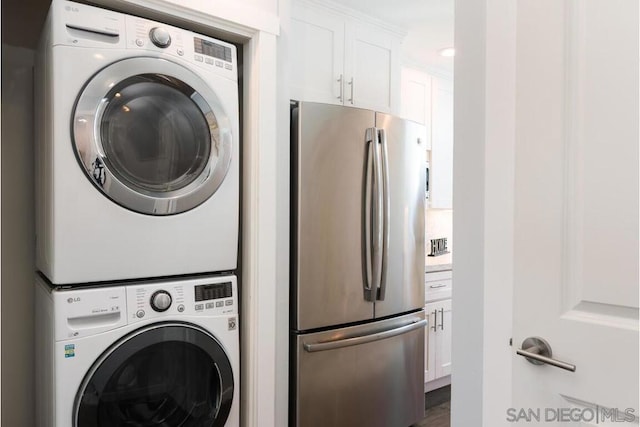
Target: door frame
[(483, 208)]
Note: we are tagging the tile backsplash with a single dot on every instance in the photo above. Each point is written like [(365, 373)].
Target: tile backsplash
[(439, 224)]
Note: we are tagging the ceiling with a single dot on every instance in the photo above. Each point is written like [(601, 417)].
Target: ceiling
[(429, 26)]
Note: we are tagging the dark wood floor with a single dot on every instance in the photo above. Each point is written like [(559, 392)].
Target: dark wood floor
[(438, 416), (437, 408)]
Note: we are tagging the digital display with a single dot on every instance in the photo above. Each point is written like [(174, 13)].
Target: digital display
[(209, 292), (207, 48)]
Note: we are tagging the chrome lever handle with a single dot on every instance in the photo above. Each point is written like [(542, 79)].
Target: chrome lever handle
[(538, 351)]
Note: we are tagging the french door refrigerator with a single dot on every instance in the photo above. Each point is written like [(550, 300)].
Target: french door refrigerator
[(357, 270)]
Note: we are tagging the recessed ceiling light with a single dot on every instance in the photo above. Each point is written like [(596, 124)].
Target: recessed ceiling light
[(447, 51)]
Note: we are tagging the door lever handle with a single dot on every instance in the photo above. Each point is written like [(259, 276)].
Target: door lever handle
[(538, 351)]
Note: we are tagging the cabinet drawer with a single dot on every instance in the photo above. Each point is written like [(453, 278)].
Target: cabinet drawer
[(437, 290)]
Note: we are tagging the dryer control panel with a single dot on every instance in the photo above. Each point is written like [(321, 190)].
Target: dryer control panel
[(83, 25)]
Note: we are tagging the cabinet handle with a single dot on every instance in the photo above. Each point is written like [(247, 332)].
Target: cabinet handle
[(351, 83), (442, 285), (435, 320), (442, 319), (341, 83)]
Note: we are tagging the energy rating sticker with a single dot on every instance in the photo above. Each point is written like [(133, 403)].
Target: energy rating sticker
[(69, 350)]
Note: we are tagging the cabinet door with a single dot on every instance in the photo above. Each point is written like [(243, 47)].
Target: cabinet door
[(316, 55), (371, 69), (415, 99), (443, 339), (431, 310), (441, 144)]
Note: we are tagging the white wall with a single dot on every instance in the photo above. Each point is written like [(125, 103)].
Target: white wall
[(483, 211), (17, 237), (282, 233)]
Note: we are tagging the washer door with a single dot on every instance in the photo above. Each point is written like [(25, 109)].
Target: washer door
[(165, 375), (152, 136)]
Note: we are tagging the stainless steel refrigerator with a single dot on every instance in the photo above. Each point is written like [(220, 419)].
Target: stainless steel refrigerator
[(357, 268)]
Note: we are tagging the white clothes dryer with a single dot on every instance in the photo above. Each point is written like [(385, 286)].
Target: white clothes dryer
[(137, 170), (155, 354)]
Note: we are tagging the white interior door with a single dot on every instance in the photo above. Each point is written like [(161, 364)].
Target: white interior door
[(576, 210)]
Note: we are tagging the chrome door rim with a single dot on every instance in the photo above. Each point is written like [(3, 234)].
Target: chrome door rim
[(226, 398), (90, 152)]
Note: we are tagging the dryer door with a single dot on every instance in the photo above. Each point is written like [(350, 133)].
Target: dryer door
[(163, 375), (152, 136)]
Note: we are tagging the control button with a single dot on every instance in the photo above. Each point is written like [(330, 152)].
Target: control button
[(140, 42), (228, 66), (160, 37), (180, 51), (198, 58), (208, 61), (140, 314), (219, 64), (160, 301), (210, 305), (199, 307), (228, 302), (219, 303), (180, 308)]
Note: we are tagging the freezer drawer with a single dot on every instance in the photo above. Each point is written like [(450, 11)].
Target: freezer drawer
[(368, 375)]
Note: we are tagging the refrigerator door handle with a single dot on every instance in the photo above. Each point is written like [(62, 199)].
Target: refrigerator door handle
[(378, 214), (382, 136), (373, 215), (368, 199), (347, 342)]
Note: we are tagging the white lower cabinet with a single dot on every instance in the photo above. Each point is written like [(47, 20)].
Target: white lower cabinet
[(438, 341)]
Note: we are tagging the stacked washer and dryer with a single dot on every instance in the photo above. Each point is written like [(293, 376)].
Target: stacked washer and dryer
[(137, 223)]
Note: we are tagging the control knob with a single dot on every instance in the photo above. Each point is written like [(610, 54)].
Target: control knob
[(160, 37), (160, 301)]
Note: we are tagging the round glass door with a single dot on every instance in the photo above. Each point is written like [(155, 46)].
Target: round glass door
[(158, 142), (161, 376)]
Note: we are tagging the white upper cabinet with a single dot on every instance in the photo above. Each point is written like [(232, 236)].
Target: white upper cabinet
[(441, 178), (415, 99), (428, 99), (338, 58), (317, 55)]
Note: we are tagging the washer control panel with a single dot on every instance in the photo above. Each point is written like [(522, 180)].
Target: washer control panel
[(206, 296), (81, 312), (160, 301)]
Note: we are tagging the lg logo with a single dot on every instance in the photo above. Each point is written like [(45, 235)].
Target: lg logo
[(70, 300)]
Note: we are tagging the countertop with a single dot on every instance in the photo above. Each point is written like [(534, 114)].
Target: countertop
[(438, 267)]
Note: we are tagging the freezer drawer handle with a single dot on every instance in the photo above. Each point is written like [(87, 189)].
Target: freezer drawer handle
[(347, 342)]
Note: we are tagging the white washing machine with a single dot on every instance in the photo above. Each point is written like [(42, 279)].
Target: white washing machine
[(137, 170), (159, 353)]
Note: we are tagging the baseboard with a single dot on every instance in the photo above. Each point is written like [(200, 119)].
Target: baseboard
[(439, 383)]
